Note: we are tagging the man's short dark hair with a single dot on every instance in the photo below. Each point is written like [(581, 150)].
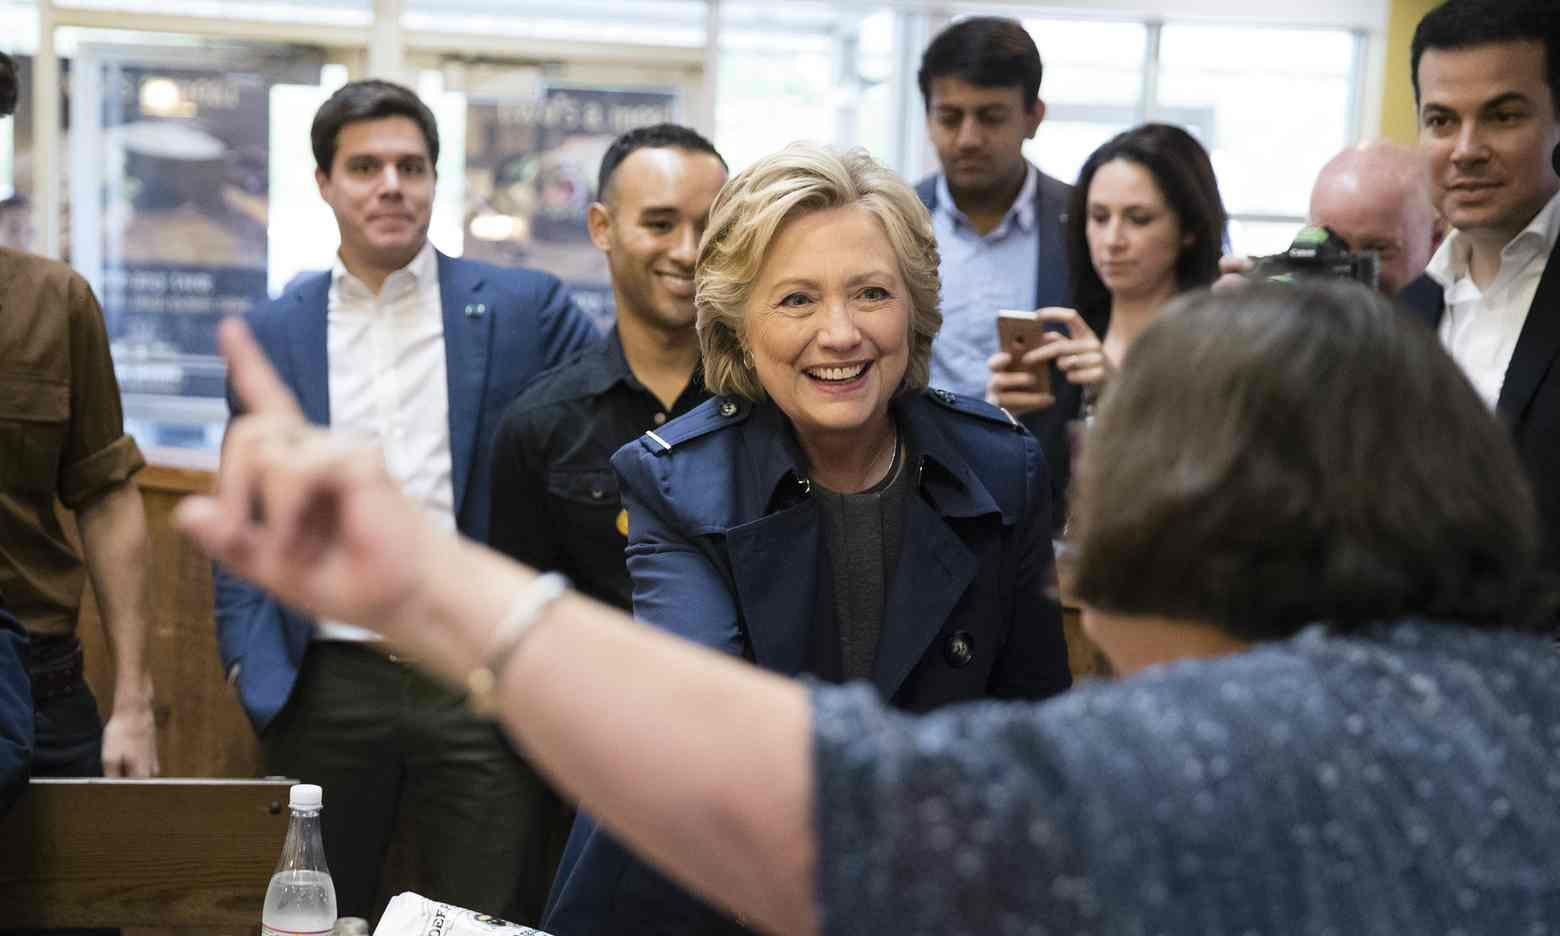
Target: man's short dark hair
[(655, 136), (368, 100), (985, 51), (1464, 24), (9, 87), (1273, 456)]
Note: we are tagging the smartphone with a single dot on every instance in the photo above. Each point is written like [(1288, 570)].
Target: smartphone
[(1019, 332)]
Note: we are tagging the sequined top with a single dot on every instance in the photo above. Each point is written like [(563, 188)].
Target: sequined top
[(1405, 779)]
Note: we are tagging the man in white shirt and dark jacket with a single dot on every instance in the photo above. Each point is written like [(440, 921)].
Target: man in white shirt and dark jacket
[(420, 353), (1487, 84)]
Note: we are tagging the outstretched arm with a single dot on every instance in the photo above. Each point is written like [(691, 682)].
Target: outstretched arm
[(701, 763)]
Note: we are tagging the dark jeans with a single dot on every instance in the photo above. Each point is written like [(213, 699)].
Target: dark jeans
[(68, 732), (381, 738), (67, 735)]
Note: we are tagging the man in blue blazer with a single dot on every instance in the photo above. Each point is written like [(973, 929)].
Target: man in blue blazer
[(420, 352), (999, 220)]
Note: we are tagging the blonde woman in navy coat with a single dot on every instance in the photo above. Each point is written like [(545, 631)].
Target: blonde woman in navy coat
[(826, 513)]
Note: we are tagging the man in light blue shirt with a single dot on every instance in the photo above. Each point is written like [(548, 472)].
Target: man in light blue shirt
[(998, 219)]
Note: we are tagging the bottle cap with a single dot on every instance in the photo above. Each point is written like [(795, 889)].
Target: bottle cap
[(305, 796)]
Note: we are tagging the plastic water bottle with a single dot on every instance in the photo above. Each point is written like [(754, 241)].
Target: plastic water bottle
[(301, 900)]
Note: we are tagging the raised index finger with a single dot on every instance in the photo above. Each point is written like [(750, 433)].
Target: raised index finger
[(260, 391)]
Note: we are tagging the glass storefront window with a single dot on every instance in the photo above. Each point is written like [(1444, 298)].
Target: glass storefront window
[(1090, 61), (635, 22), (1277, 104), (532, 153), (324, 12), (188, 180), (806, 71), (170, 182)]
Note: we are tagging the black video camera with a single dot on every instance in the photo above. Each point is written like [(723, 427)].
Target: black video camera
[(1317, 251)]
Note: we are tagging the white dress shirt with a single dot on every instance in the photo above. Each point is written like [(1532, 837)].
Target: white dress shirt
[(1480, 327), (388, 384)]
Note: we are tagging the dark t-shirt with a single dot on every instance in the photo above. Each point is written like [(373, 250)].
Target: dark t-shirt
[(555, 497)]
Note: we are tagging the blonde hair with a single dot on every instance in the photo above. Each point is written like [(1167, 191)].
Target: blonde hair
[(749, 213)]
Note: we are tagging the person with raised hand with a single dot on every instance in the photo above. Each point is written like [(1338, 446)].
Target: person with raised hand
[(1324, 626)]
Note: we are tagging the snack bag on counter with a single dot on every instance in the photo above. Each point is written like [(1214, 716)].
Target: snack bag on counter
[(412, 914)]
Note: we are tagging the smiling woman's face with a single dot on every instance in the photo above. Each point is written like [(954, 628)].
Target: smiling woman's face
[(828, 322)]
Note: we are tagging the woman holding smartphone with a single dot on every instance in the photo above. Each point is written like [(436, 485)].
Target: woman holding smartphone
[(1144, 224)]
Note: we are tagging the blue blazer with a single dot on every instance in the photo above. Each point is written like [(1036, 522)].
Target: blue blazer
[(1053, 281), (501, 328), (726, 550)]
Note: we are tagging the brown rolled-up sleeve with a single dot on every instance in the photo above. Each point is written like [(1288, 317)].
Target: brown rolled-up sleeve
[(97, 456)]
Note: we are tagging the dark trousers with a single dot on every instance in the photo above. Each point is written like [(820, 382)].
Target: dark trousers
[(381, 738), (67, 732), (67, 729)]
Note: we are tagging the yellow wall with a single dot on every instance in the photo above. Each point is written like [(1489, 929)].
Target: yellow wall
[(1397, 102)]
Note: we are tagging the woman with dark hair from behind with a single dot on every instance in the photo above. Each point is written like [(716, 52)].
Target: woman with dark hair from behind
[(1333, 719), (1144, 224)]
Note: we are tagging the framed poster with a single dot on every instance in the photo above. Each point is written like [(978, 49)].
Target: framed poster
[(531, 167)]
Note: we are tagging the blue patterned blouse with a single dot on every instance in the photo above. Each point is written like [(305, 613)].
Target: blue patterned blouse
[(1404, 779)]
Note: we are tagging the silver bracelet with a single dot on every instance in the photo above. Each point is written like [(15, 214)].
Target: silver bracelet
[(524, 612)]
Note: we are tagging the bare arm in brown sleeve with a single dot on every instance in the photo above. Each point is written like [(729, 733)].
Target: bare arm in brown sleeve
[(114, 539), (97, 481)]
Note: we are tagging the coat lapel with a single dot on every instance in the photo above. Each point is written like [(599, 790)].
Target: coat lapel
[(773, 558), (468, 331), (782, 585), (935, 568), (1052, 286), (306, 331), (1536, 345), (777, 584)]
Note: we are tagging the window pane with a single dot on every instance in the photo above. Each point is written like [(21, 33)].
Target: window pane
[(636, 22), (169, 147), (1090, 62), (1061, 146), (1272, 105), (530, 174), (805, 71), (1261, 238), (332, 12)]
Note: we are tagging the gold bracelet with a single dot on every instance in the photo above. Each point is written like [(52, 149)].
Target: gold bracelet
[(527, 608)]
